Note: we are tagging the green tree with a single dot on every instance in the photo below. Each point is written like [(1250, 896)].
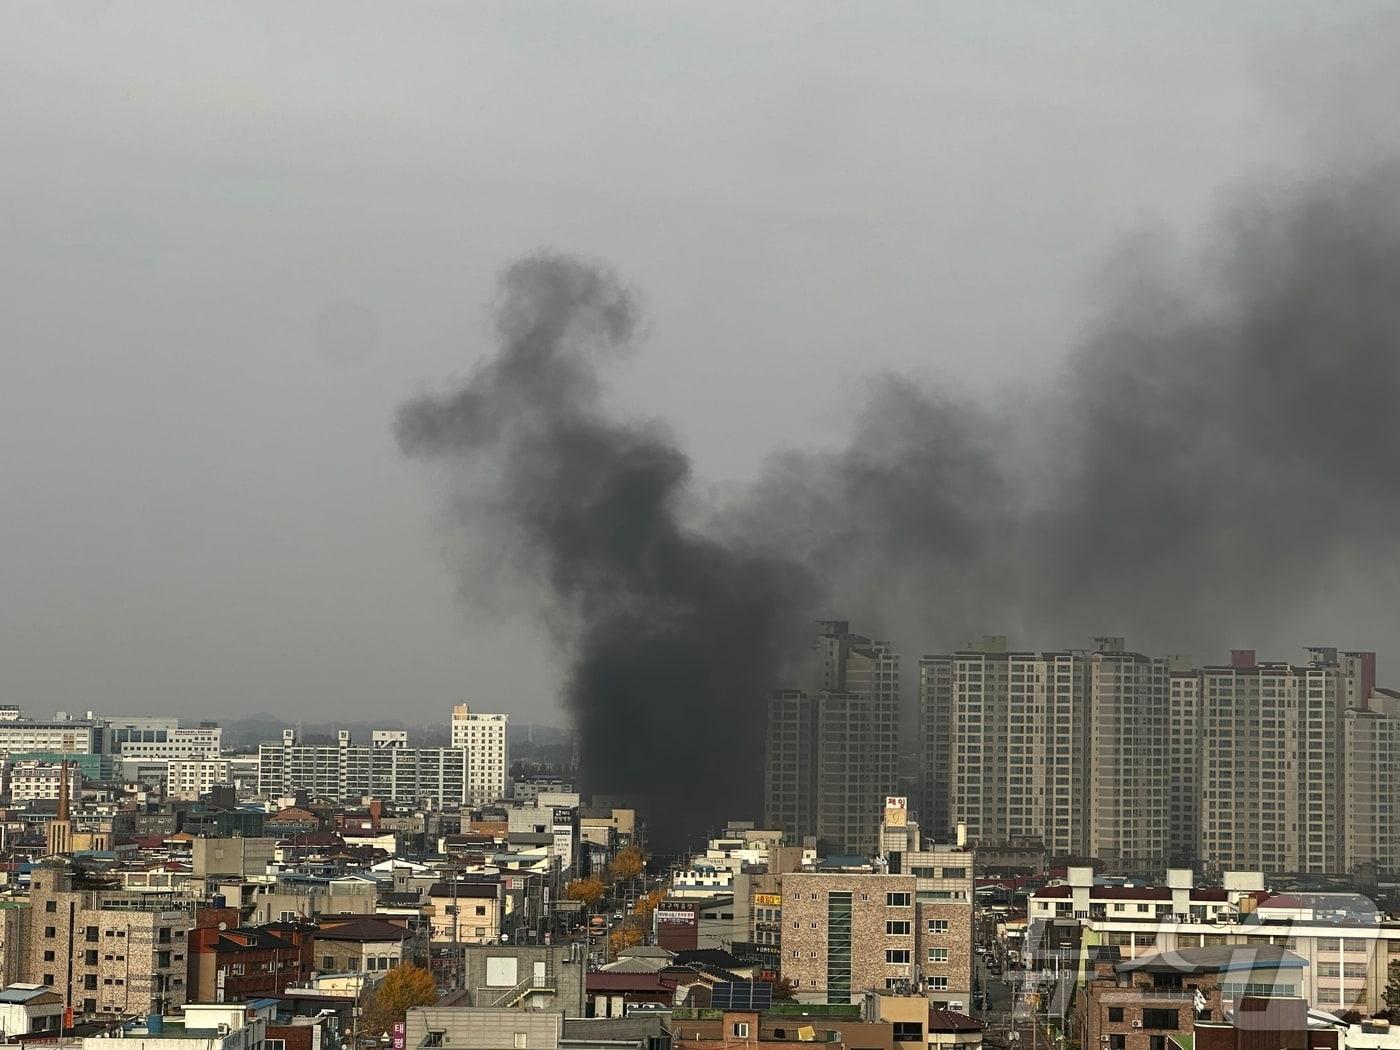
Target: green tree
[(1392, 989)]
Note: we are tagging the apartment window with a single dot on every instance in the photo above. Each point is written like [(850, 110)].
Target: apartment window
[(955, 873), (896, 956), (938, 955), (741, 1029), (49, 956), (897, 900), (51, 906), (1118, 1042), (90, 982), (327, 962), (48, 978), (938, 984), (90, 958), (50, 931), (938, 926), (1115, 1014), (898, 928)]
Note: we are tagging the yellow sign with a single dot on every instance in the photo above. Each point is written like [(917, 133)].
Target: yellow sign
[(768, 900)]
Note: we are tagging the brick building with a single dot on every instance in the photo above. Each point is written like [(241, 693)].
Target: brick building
[(847, 933), (106, 952), (232, 963), (1143, 1003)]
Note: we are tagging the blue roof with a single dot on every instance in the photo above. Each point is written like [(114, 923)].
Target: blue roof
[(20, 994)]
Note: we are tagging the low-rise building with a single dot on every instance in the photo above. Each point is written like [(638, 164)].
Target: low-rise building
[(847, 933), (30, 1009), (363, 944)]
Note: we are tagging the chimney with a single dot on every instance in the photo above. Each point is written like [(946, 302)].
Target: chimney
[(63, 802)]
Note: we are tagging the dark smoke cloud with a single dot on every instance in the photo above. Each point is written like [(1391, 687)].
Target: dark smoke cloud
[(1220, 448), (674, 638), (1219, 453)]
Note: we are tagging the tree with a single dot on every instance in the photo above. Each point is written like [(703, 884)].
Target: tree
[(628, 863), (646, 904), (403, 987), (589, 891), (623, 939), (1392, 988), (783, 990)]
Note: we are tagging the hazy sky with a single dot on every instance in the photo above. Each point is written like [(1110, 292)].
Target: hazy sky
[(234, 237)]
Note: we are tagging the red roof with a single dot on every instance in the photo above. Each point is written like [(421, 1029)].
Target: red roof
[(1283, 900), (952, 1021)]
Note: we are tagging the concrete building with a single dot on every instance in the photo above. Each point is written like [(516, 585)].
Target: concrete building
[(525, 977), (832, 746), (105, 952), (484, 738), (191, 778), (1272, 763), (935, 755), (69, 736), (164, 739), (365, 944), (1137, 1004), (845, 934), (1345, 942), (1129, 721), (1183, 763), (1371, 800), (206, 1026)]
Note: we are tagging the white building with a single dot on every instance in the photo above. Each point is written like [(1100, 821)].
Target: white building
[(189, 778), (159, 737), (30, 781), (484, 738), (435, 776)]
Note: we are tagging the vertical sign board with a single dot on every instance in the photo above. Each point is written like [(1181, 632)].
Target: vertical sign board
[(399, 1039)]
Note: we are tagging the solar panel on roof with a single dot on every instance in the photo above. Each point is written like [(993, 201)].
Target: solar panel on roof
[(742, 995)]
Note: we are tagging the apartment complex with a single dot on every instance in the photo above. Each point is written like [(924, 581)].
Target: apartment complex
[(106, 952), (832, 746), (435, 776), (1144, 762), (484, 737), (1017, 729)]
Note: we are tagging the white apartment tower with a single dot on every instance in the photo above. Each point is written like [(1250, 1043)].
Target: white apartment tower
[(488, 759)]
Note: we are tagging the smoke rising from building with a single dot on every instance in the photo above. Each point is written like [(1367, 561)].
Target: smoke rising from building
[(673, 637), (1216, 453)]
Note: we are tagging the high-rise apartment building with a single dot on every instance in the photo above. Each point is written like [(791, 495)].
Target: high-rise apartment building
[(433, 776), (1371, 801), (483, 736), (832, 747), (935, 757), (1272, 775), (1183, 763), (1129, 722), (1018, 733)]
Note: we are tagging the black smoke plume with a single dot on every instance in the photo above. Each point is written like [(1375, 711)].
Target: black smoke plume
[(674, 638), (1217, 464)]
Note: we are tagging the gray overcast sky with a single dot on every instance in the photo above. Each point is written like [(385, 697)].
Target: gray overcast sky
[(234, 237)]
